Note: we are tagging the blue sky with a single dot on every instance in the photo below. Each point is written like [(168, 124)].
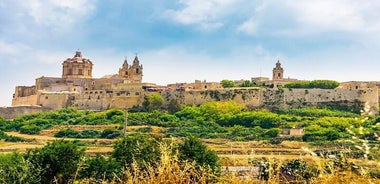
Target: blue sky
[(185, 40)]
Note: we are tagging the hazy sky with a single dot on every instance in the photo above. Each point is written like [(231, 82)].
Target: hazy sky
[(185, 40)]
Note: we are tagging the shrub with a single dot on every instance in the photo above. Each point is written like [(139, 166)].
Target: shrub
[(137, 147), (322, 84), (15, 169), (59, 161), (144, 129), (30, 129), (153, 101), (101, 168), (110, 133), (297, 170), (69, 133), (192, 149), (227, 83)]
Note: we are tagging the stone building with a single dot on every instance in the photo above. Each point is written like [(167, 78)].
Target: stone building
[(77, 67), (125, 89), (278, 72), (133, 73), (77, 88)]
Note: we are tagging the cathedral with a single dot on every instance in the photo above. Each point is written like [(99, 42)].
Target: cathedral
[(124, 90), (79, 89)]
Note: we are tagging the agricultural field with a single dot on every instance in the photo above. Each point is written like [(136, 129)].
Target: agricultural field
[(249, 144)]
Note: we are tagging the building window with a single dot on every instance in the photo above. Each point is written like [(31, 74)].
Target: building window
[(89, 97), (70, 71), (127, 94), (46, 97), (137, 93), (89, 72), (80, 71)]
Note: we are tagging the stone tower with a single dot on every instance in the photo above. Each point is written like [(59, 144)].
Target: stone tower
[(278, 72), (133, 73), (77, 67)]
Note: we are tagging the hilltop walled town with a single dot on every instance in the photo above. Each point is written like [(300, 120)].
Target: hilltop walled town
[(125, 89)]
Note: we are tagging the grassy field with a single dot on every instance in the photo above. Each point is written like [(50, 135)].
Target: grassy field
[(233, 153), (236, 156)]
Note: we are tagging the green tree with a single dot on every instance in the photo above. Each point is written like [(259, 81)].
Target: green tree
[(59, 160), (192, 149), (298, 84), (227, 83), (174, 106), (247, 83), (30, 129), (101, 168), (324, 84), (15, 169), (141, 148), (153, 101)]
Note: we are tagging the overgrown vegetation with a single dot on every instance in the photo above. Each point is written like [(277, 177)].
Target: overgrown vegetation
[(322, 84), (140, 156), (227, 120)]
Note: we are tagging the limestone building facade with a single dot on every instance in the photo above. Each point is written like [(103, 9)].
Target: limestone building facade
[(77, 87), (125, 89), (278, 72)]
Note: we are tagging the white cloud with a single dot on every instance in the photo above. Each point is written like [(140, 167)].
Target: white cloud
[(331, 15), (54, 14), (205, 13), (249, 27), (309, 17), (12, 48)]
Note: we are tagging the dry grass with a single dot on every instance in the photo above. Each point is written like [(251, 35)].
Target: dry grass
[(170, 170)]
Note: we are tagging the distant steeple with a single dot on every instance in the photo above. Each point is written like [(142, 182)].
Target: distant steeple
[(78, 53), (136, 62), (278, 72), (125, 64)]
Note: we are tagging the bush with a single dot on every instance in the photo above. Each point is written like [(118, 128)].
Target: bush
[(141, 148), (144, 129), (322, 84), (15, 169), (69, 133), (110, 133), (192, 149), (153, 101), (30, 129), (297, 170), (59, 160), (101, 168), (227, 83)]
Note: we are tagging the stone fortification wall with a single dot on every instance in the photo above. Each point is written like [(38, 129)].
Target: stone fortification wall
[(55, 100), (25, 100), (365, 100), (13, 112), (356, 100)]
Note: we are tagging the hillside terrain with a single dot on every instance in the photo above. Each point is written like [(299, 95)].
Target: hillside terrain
[(243, 139)]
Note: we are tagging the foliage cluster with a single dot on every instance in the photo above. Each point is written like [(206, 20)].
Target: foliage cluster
[(227, 83), (107, 133), (64, 162), (34, 123), (210, 120), (322, 84)]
